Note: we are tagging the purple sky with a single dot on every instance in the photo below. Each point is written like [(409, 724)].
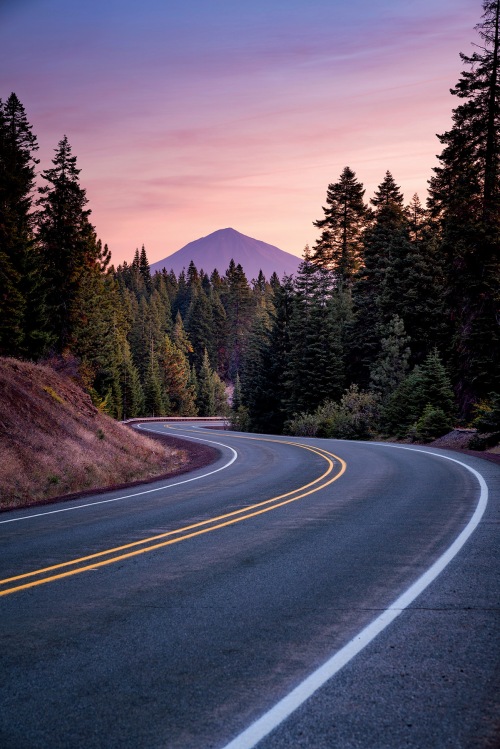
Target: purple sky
[(189, 116)]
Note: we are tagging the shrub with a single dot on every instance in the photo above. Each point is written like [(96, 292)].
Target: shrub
[(432, 424), (355, 417), (426, 385), (487, 414), (303, 425)]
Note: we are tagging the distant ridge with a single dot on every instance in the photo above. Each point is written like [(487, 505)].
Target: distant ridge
[(217, 249)]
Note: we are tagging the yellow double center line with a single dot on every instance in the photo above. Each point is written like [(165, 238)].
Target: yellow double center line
[(133, 549)]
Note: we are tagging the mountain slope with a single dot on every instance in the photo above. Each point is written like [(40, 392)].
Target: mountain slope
[(217, 249)]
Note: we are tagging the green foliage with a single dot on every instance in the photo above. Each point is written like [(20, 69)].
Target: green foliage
[(487, 414), (23, 318), (383, 289), (391, 365), (354, 417), (433, 423), (240, 419), (465, 201), (176, 377), (426, 386)]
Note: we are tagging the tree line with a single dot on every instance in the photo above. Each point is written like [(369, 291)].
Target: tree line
[(391, 324)]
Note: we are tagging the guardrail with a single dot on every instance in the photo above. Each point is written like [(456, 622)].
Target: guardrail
[(179, 419)]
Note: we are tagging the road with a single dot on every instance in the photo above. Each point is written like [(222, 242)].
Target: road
[(284, 595)]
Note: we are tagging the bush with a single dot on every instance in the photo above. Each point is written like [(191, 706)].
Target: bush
[(355, 417), (240, 420), (303, 425), (487, 415), (426, 385), (432, 424)]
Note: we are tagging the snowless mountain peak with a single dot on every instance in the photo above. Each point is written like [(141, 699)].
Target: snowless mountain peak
[(216, 250)]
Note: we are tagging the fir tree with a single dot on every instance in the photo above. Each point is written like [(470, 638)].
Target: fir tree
[(155, 402), (200, 326), (206, 388), (391, 366), (176, 377), (68, 242), (339, 247), (144, 269), (465, 198), (237, 301), (314, 369), (384, 240), (426, 385), (24, 325)]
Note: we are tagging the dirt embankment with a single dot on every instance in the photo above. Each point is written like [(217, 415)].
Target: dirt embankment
[(54, 442)]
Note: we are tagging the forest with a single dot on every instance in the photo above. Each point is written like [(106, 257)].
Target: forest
[(389, 328)]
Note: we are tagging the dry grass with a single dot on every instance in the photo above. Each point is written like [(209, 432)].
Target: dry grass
[(53, 441)]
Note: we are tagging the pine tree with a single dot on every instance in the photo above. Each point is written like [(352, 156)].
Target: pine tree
[(265, 396), (176, 376), (24, 326), (386, 239), (256, 394), (426, 385), (68, 242), (314, 369), (339, 247), (200, 326), (130, 389), (181, 338), (155, 402), (206, 388), (237, 301), (391, 366), (144, 270), (236, 401), (465, 199)]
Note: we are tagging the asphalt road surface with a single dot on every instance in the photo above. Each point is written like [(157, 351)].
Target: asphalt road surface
[(295, 593)]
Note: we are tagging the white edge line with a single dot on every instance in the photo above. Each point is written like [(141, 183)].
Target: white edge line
[(250, 737), (136, 494)]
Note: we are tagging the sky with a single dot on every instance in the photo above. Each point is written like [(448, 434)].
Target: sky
[(189, 116)]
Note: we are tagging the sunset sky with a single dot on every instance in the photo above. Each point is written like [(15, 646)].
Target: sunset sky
[(189, 116)]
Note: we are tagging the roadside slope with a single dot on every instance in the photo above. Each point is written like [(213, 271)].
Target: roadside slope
[(53, 441)]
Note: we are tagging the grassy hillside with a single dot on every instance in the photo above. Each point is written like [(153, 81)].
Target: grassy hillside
[(53, 441)]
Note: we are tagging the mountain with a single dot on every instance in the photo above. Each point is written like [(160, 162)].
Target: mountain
[(217, 249)]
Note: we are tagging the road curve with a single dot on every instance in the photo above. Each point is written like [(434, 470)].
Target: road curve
[(180, 614)]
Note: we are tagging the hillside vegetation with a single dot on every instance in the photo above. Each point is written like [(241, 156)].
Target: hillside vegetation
[(54, 441)]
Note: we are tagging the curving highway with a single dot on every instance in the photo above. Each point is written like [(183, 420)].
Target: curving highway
[(295, 593)]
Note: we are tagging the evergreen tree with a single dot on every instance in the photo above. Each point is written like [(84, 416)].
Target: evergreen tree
[(23, 316), (236, 401), (206, 388), (465, 198), (219, 332), (237, 301), (155, 402), (176, 377), (426, 385), (146, 330), (314, 368), (339, 247), (391, 366), (200, 326), (262, 384), (131, 394), (144, 270), (256, 394), (385, 240), (68, 242), (181, 338)]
